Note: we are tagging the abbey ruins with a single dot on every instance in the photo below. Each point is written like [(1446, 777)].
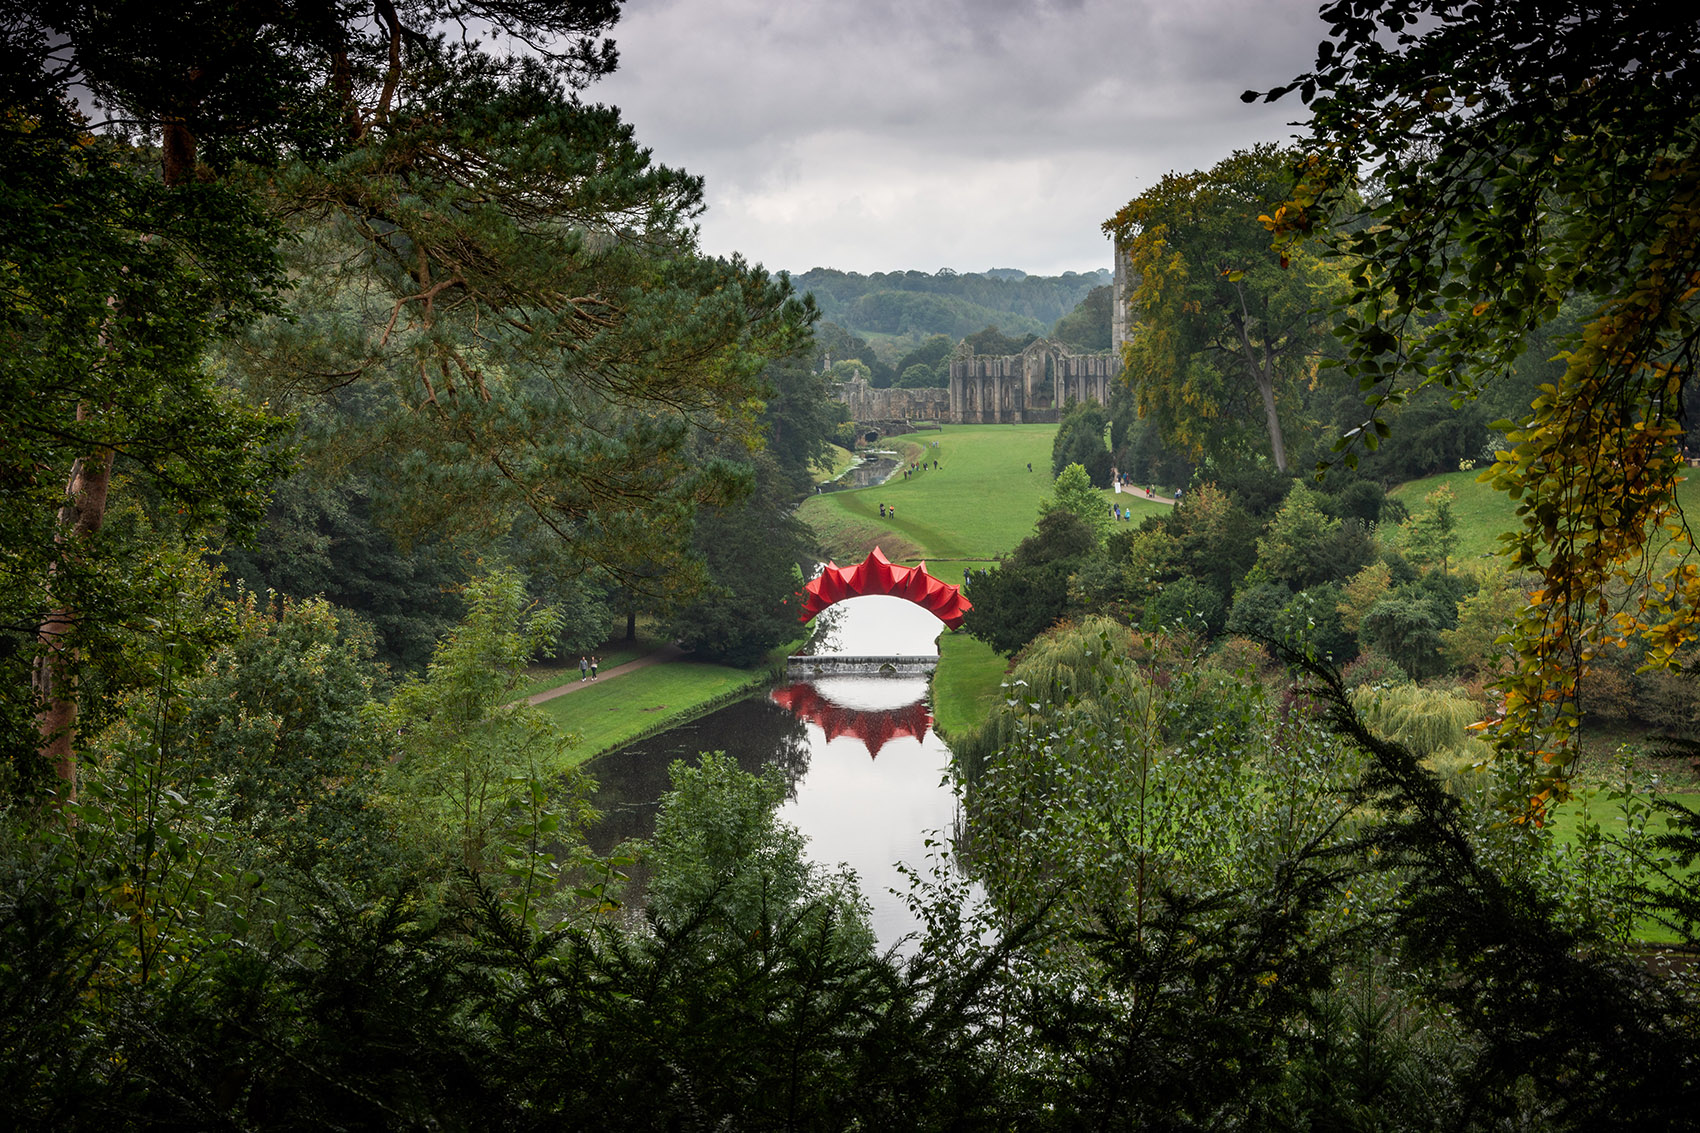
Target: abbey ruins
[(1033, 387)]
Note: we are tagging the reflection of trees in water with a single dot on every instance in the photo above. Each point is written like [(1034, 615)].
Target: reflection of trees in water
[(828, 623), (630, 782)]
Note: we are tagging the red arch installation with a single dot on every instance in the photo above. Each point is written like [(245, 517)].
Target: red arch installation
[(876, 575)]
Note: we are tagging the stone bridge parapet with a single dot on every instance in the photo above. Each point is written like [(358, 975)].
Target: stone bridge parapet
[(860, 665)]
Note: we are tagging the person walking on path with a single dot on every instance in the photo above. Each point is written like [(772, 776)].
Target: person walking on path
[(583, 668), (661, 656), (594, 662)]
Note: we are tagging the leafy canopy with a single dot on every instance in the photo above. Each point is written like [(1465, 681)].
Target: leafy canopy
[(1522, 155)]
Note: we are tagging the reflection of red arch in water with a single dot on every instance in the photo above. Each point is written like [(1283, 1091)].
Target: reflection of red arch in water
[(876, 575), (874, 729)]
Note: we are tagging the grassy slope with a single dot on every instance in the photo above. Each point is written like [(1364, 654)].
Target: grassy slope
[(837, 461), (967, 684), (1483, 513), (978, 505)]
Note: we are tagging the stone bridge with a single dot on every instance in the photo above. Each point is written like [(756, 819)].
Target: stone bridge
[(860, 665)]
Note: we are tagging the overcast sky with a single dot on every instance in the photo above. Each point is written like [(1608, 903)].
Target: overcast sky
[(879, 135)]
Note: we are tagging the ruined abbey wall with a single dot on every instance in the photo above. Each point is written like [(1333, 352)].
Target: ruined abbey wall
[(1032, 387), (869, 404)]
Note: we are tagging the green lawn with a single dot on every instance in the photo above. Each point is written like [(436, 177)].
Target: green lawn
[(1483, 513), (978, 504), (564, 670)]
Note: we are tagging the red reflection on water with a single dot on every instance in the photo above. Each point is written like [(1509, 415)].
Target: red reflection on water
[(874, 729)]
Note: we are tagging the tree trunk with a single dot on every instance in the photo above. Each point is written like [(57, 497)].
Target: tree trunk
[(1264, 376), (631, 623), (1266, 387), (80, 517)]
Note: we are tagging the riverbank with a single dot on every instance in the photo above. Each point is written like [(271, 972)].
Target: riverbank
[(614, 711)]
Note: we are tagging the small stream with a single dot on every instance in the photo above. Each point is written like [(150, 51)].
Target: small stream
[(873, 467), (869, 777)]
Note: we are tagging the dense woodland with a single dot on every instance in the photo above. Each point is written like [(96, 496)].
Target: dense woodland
[(351, 363)]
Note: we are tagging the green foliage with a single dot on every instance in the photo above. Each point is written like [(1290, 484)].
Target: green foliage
[(281, 716), (1535, 164), (1257, 610), (1086, 329), (752, 551), (835, 344), (1304, 546), (919, 377), (1029, 591), (114, 286), (933, 354), (799, 421), (1432, 724), (946, 302), (1406, 626), (719, 851), (1075, 494), (991, 342), (462, 757), (1080, 440), (1311, 621), (1430, 536), (1190, 605), (1224, 326), (1474, 645), (322, 541), (1013, 605)]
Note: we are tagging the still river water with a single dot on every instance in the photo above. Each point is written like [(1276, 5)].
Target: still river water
[(869, 777)]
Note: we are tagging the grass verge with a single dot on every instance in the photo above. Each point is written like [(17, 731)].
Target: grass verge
[(613, 713), (1483, 514), (967, 684)]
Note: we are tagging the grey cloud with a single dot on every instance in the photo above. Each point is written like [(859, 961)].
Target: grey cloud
[(849, 133)]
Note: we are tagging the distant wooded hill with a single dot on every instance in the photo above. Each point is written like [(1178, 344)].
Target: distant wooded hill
[(915, 304)]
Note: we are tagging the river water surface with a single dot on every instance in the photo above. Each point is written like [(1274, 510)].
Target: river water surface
[(869, 777)]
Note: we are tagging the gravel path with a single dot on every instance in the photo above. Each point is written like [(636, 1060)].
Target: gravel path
[(660, 656)]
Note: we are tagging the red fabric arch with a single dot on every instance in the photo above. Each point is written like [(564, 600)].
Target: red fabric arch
[(876, 575)]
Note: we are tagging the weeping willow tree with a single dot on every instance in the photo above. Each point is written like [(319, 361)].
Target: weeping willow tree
[(1432, 724)]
